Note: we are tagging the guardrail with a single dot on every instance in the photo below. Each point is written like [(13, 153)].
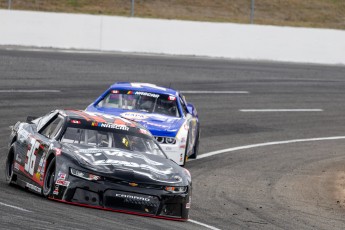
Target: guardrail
[(228, 40)]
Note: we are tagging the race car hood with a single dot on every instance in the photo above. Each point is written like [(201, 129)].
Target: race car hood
[(158, 124), (127, 165)]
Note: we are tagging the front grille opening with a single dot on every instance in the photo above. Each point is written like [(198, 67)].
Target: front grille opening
[(131, 202), (172, 210), (128, 183), (84, 196)]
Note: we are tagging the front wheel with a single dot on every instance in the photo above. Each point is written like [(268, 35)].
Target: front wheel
[(48, 182), (9, 167), (186, 151), (196, 147)]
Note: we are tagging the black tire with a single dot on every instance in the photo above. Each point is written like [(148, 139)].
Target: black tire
[(196, 147), (9, 174), (49, 178), (186, 151)]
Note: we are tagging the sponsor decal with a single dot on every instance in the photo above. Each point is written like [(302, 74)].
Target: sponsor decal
[(18, 159), (171, 98), (16, 166), (57, 152), (56, 190), (110, 126), (61, 176), (147, 94), (143, 131), (90, 151), (134, 116), (62, 182), (157, 125), (132, 197), (188, 205), (177, 178), (38, 175), (33, 187)]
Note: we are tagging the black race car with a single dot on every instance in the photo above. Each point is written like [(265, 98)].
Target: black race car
[(98, 161)]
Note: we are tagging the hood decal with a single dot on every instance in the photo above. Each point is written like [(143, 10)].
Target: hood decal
[(143, 165), (134, 116)]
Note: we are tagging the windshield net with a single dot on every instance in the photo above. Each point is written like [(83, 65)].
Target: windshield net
[(141, 101), (111, 139)]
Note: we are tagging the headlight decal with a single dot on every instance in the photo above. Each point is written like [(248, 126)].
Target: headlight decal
[(165, 140), (85, 175), (175, 189)]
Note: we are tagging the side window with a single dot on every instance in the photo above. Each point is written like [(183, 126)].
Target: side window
[(184, 108), (53, 128), (46, 118)]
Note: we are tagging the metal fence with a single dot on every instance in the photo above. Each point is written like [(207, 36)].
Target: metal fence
[(320, 13)]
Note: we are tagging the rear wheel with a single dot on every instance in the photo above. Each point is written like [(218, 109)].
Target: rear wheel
[(48, 182), (9, 167)]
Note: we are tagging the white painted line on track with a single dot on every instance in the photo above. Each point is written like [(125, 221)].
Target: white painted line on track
[(15, 207), (212, 92), (281, 110), (30, 91), (209, 154), (202, 224)]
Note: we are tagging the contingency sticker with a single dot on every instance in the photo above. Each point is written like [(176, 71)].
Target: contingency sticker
[(134, 116)]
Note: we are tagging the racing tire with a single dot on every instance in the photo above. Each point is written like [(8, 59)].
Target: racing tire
[(49, 177), (196, 147), (9, 174), (186, 151)]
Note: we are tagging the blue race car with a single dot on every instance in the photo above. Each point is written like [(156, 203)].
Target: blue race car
[(164, 112)]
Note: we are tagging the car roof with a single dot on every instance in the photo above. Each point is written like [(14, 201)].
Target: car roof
[(147, 87), (97, 117)]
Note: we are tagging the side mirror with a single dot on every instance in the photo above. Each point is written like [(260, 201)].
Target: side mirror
[(29, 119), (192, 110)]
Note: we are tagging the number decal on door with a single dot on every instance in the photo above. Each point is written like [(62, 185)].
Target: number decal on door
[(31, 156)]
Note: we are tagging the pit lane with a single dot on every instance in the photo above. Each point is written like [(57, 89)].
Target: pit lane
[(285, 186)]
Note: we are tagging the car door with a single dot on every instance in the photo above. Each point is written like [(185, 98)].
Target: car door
[(38, 146)]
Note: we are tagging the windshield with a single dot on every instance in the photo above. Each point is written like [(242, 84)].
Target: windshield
[(111, 139), (142, 101)]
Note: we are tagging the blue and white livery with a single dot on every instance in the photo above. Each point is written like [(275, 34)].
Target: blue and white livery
[(163, 111)]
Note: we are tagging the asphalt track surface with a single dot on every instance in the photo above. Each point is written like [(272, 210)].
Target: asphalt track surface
[(284, 186)]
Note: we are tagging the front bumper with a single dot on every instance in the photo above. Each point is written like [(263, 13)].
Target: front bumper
[(121, 197)]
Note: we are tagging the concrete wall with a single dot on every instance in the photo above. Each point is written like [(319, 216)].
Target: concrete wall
[(108, 33)]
